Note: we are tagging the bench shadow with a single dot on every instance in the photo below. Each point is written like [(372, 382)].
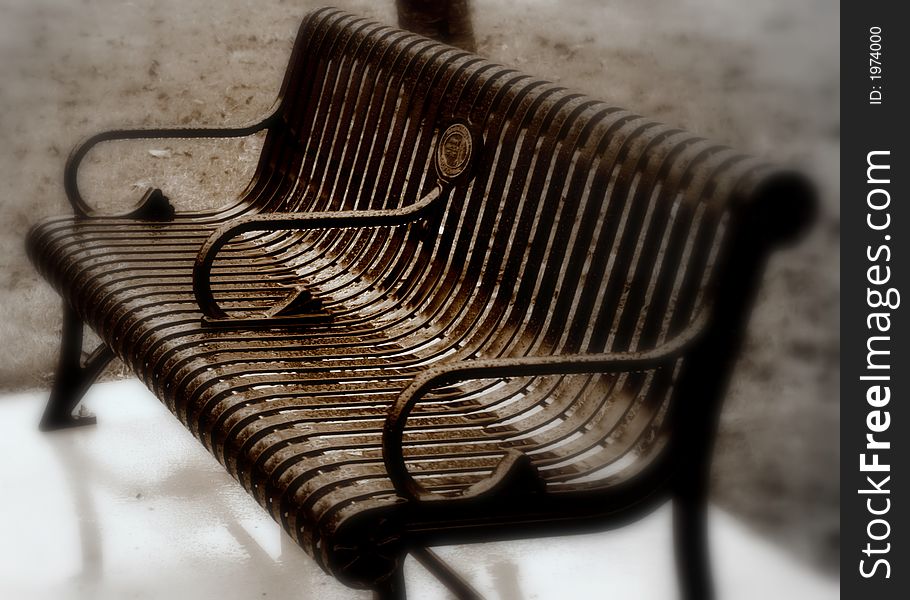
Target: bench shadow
[(83, 475), (76, 473), (505, 580)]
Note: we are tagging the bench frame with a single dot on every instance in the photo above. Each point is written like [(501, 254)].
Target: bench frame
[(777, 211)]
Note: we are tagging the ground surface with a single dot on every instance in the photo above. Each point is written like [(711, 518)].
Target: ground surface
[(761, 75), (95, 527)]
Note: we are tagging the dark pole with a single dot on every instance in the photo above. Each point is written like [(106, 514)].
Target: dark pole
[(448, 21)]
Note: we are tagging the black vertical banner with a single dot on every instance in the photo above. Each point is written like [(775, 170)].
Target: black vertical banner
[(875, 263)]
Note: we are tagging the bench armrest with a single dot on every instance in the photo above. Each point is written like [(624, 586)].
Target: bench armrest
[(457, 147), (71, 171), (293, 221), (514, 465)]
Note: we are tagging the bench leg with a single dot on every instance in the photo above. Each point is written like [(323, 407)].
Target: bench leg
[(73, 377), (392, 588), (459, 587), (690, 529)]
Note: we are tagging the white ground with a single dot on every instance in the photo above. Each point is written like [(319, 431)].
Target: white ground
[(136, 508)]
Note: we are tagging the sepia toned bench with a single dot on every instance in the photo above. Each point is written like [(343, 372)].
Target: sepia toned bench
[(455, 303)]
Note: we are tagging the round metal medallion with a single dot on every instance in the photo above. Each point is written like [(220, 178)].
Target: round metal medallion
[(454, 151)]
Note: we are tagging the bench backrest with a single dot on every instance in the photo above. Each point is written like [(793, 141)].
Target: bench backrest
[(585, 228)]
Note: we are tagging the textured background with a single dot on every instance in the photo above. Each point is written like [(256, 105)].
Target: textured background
[(761, 75)]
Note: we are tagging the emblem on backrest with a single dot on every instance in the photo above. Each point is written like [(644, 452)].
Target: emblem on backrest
[(454, 152)]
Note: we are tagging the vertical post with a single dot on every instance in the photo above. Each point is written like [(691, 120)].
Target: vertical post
[(690, 535), (448, 21), (59, 410), (392, 588), (73, 378), (707, 375)]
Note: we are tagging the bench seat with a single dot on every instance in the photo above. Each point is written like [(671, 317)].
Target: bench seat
[(281, 406)]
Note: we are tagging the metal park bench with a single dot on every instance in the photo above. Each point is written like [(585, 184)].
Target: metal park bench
[(456, 303)]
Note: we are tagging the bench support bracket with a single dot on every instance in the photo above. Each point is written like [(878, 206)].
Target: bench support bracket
[(73, 377), (393, 588), (690, 536), (459, 587)]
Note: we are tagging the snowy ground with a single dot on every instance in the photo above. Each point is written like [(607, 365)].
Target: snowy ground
[(136, 508)]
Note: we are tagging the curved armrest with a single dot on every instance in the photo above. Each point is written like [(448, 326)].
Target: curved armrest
[(515, 468), (71, 171), (270, 222)]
